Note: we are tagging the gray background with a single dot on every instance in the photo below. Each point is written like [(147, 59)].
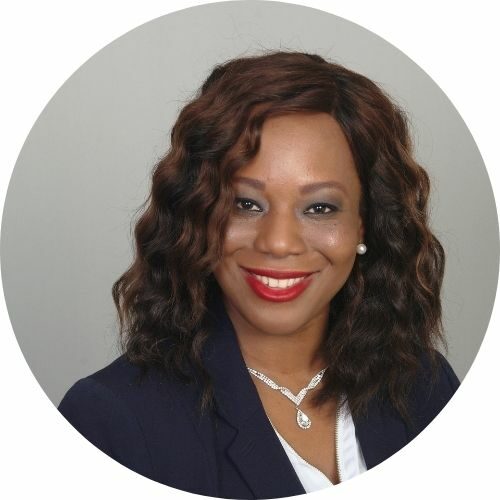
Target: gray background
[(85, 168)]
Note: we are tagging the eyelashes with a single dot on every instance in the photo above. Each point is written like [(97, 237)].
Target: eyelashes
[(247, 205), (322, 209), (250, 206)]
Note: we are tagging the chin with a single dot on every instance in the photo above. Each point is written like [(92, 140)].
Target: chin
[(272, 321)]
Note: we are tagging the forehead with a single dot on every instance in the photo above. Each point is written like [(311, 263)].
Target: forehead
[(302, 148)]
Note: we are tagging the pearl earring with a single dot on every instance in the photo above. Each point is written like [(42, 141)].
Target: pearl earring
[(361, 249)]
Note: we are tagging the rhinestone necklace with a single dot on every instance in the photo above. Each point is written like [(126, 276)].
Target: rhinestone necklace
[(303, 421)]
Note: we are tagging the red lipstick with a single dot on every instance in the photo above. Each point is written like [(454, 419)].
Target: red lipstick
[(279, 275), (277, 294)]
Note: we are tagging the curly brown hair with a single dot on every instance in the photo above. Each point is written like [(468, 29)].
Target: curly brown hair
[(386, 317)]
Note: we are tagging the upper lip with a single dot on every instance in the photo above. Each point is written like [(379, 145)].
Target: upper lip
[(277, 274)]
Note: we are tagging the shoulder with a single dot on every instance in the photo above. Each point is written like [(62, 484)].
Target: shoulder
[(383, 431), (436, 379), (126, 381), (114, 378), (435, 385), (120, 384), (124, 387), (123, 412)]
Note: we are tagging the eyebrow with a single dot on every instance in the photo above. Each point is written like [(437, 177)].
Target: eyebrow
[(305, 189)]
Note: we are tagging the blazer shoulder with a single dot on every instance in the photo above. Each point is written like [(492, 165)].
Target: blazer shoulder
[(97, 406), (148, 423), (120, 385), (434, 387), (119, 376), (439, 378)]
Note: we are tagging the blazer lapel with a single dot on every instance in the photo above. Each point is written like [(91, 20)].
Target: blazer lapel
[(255, 450), (261, 460)]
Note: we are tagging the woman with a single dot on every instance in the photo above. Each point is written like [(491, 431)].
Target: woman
[(281, 316)]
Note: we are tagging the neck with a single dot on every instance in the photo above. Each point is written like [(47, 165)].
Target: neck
[(296, 354)]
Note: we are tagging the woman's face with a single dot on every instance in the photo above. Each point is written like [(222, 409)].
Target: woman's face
[(291, 240)]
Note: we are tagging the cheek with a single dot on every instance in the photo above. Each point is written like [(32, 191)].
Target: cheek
[(336, 242), (237, 236)]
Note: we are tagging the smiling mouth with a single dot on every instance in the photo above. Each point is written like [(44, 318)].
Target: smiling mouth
[(277, 286), (277, 274)]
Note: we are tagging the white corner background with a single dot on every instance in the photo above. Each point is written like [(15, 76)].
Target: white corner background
[(43, 43)]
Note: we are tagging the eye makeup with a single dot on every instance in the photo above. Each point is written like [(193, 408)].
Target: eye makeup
[(322, 208), (247, 205), (314, 206)]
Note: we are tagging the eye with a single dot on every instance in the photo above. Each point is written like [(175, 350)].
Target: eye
[(321, 208), (247, 205)]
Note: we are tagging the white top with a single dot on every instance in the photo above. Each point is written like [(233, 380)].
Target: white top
[(350, 458)]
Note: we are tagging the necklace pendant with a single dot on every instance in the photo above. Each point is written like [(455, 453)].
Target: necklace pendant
[(303, 421)]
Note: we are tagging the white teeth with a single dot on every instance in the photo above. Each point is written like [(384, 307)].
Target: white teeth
[(275, 283)]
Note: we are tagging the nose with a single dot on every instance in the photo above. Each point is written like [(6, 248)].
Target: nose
[(279, 235)]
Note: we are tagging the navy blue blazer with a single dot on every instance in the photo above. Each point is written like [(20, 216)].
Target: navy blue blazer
[(153, 426)]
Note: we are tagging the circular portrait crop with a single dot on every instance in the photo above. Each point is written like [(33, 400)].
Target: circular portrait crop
[(257, 272)]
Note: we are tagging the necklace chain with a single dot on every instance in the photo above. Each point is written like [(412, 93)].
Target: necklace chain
[(303, 421)]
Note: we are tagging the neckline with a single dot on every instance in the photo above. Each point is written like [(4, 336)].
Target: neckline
[(302, 459)]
